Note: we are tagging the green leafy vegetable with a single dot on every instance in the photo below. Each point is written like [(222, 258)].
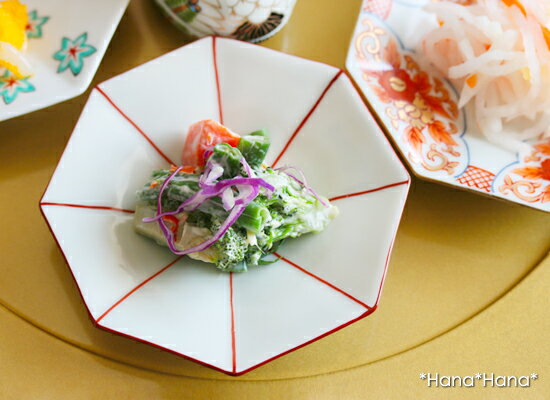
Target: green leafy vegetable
[(229, 158), (290, 211), (254, 147)]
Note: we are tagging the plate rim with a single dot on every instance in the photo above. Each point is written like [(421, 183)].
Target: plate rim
[(370, 309)]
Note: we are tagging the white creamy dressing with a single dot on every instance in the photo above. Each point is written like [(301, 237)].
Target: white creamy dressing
[(187, 235)]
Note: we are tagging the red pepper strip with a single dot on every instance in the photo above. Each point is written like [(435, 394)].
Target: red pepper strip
[(174, 223)]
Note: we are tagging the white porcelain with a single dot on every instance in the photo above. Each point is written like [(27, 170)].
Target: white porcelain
[(251, 20), (54, 20), (470, 162), (230, 322)]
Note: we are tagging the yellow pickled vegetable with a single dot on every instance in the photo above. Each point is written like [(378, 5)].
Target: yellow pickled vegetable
[(13, 37)]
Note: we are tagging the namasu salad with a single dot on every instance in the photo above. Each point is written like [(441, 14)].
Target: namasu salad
[(223, 206)]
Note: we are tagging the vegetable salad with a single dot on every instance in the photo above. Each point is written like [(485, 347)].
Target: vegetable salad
[(223, 206)]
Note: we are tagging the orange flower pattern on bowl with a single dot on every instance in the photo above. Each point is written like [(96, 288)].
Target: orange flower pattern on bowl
[(421, 107), (529, 181)]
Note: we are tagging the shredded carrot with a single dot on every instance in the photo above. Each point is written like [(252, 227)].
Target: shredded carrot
[(511, 3), (186, 169), (545, 30), (546, 34), (472, 80), (153, 184), (488, 47)]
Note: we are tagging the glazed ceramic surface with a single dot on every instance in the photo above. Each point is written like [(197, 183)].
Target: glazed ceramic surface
[(251, 20), (419, 110), (66, 41), (133, 124)]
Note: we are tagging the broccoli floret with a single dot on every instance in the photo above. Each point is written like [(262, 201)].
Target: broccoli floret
[(253, 255), (231, 248)]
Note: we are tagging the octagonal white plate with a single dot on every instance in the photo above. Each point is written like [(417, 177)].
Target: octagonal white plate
[(438, 141), (136, 122), (55, 27)]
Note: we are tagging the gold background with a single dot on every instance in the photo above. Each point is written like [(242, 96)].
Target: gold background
[(466, 292)]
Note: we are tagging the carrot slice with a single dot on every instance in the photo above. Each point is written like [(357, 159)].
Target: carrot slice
[(202, 137), (472, 80)]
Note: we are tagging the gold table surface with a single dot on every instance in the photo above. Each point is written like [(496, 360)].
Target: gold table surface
[(466, 292)]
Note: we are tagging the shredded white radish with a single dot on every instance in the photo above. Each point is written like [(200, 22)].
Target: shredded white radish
[(497, 52)]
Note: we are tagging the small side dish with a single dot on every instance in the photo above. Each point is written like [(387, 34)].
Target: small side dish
[(222, 206), (13, 38), (497, 52)]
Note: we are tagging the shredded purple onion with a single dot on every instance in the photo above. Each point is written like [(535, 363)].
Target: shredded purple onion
[(219, 186), (211, 173), (228, 199), (248, 189), (167, 232), (209, 191), (230, 220), (303, 183), (192, 203), (302, 175), (245, 191)]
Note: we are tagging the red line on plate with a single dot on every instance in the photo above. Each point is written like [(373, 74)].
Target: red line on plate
[(157, 346), (233, 346), (365, 314), (86, 206), (344, 196), (90, 315), (322, 280), (136, 288), (135, 126), (388, 257), (220, 111), (66, 262), (300, 126), (408, 182), (216, 74)]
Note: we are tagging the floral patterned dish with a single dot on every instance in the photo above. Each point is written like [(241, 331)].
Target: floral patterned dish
[(66, 43), (250, 20), (419, 111), (233, 322)]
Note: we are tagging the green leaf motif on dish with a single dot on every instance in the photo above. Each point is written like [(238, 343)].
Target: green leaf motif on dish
[(10, 87), (72, 54), (35, 24)]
